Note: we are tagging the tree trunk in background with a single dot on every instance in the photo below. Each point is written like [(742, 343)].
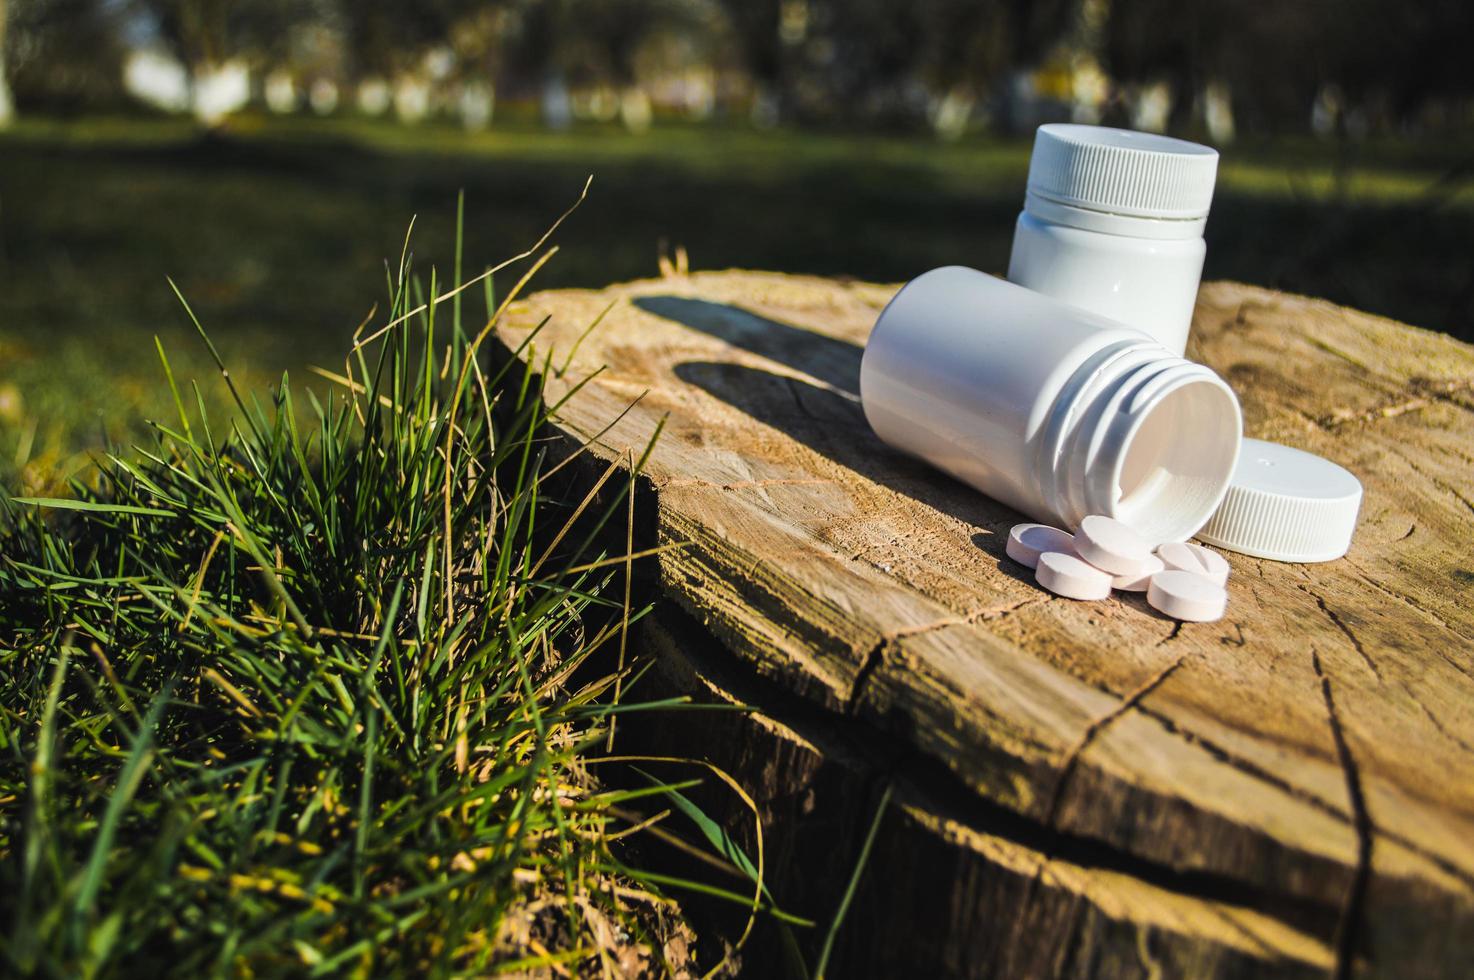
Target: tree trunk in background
[(7, 107), (217, 89), (1218, 112)]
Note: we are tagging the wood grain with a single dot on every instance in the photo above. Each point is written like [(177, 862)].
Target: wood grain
[(1308, 760)]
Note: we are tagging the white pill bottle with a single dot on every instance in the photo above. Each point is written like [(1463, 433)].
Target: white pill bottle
[(1053, 410), (1113, 223)]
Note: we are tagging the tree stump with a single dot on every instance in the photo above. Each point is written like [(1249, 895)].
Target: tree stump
[(1078, 788)]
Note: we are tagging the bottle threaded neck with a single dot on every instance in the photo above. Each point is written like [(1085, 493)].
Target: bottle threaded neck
[(1143, 436)]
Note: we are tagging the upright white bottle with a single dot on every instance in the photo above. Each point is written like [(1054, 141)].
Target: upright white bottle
[(1053, 410), (1113, 223)]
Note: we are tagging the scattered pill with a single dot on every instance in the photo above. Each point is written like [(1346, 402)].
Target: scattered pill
[(1138, 581), (1068, 576), (1187, 596), (1181, 580), (1183, 556), (1111, 546), (1026, 542)]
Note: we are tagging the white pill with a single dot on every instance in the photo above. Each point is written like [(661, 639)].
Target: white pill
[(1026, 542), (1138, 581), (1111, 546), (1185, 557), (1187, 596), (1070, 577)]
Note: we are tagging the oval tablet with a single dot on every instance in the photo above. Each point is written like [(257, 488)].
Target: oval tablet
[(1111, 546), (1068, 576), (1026, 542), (1187, 596), (1185, 557), (1138, 581)]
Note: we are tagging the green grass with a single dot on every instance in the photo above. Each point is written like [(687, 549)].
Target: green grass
[(278, 229), (330, 698)]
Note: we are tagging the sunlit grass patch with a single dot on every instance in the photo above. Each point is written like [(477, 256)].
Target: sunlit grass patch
[(286, 696)]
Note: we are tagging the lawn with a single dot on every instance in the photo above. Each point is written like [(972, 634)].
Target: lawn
[(277, 229)]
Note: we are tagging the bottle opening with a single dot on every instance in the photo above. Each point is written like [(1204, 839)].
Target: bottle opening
[(1178, 461)]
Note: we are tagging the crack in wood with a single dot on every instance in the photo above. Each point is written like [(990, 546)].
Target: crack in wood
[(1072, 758), (1427, 713), (868, 667), (743, 484), (1002, 612), (986, 614), (1346, 630), (1174, 634), (875, 656), (1351, 914), (1255, 771), (1093, 730)]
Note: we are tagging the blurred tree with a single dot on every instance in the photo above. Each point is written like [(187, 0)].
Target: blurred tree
[(432, 49), (880, 61), (539, 47), (7, 109), (208, 33), (606, 38), (1386, 58), (1395, 58), (1266, 55), (477, 37), (220, 41), (615, 29), (390, 37), (755, 25), (62, 56), (968, 47)]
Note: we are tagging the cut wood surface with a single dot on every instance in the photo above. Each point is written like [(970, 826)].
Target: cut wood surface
[(1293, 784)]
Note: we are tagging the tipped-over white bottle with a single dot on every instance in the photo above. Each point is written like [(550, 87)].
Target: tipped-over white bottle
[(1053, 410)]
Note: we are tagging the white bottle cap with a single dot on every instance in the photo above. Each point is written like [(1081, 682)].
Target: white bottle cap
[(1122, 172), (1287, 505)]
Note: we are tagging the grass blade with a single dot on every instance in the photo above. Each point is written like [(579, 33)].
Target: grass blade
[(854, 882)]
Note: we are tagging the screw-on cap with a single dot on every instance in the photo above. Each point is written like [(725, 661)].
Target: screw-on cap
[(1122, 172), (1287, 505)]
